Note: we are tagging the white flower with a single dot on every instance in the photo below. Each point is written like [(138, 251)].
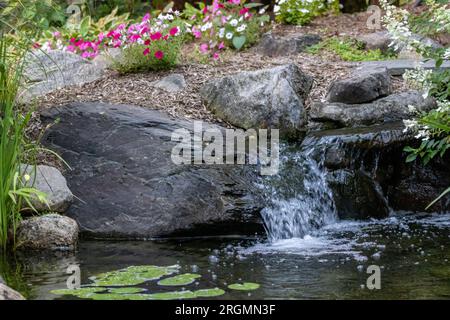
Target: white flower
[(262, 11), (412, 109), (234, 22), (276, 8), (229, 36), (241, 28)]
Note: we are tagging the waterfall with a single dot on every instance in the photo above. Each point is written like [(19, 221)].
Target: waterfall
[(299, 199)]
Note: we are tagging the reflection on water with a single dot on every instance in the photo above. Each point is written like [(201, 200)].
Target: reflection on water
[(413, 252)]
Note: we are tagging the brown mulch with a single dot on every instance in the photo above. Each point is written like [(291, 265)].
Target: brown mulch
[(136, 89)]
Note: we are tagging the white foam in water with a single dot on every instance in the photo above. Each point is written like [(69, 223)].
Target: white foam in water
[(300, 200)]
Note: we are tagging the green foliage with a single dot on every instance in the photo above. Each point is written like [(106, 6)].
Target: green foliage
[(439, 85), (300, 12), (133, 60), (135, 8), (27, 15), (15, 190), (348, 50)]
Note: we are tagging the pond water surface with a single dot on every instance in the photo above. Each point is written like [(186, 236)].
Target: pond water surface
[(413, 252)]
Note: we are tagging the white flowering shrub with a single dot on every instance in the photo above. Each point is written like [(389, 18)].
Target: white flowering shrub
[(301, 12), (432, 128)]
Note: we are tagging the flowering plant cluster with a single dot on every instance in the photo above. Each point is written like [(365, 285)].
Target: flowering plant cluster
[(301, 12), (225, 24), (433, 128)]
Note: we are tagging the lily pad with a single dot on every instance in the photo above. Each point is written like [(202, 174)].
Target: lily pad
[(126, 290), (133, 275), (116, 296), (207, 293), (174, 295), (246, 286), (84, 293), (179, 280)]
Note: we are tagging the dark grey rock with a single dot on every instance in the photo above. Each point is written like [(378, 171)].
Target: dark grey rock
[(269, 98), (353, 154), (48, 232), (6, 293), (171, 83), (356, 195), (389, 109), (129, 187), (364, 85), (50, 181), (275, 45)]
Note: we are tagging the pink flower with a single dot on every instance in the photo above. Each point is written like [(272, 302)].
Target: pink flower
[(101, 36), (70, 48), (243, 11), (156, 36), (203, 48), (221, 46), (144, 30), (197, 33), (135, 37), (146, 52), (147, 42), (173, 31), (36, 45), (235, 1), (117, 44), (216, 56), (56, 34), (146, 17), (159, 55)]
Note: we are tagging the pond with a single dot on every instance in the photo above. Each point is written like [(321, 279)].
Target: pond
[(412, 251)]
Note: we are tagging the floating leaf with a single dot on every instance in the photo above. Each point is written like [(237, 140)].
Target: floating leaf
[(133, 275), (179, 280), (207, 293), (84, 293), (246, 286), (126, 290), (175, 295)]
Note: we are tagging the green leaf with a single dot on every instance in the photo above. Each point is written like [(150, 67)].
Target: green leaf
[(412, 157), (239, 41), (85, 25)]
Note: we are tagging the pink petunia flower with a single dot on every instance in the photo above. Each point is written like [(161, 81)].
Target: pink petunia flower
[(101, 36), (221, 46), (146, 17), (173, 31), (203, 48), (146, 52), (216, 56), (159, 55), (56, 34), (243, 11), (156, 36)]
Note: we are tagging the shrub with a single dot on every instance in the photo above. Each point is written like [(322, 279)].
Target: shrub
[(433, 128), (301, 12), (225, 24), (152, 44)]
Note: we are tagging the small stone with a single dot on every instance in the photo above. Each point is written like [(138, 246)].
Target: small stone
[(171, 83), (6, 293), (48, 232), (50, 181)]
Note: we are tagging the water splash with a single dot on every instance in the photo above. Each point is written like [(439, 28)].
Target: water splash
[(299, 199)]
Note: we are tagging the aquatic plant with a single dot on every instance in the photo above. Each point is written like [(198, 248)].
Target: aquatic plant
[(123, 285)]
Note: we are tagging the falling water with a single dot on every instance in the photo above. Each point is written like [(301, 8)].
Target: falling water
[(299, 199)]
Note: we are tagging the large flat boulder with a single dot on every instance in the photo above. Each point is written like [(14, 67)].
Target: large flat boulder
[(392, 108), (127, 185), (269, 98)]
